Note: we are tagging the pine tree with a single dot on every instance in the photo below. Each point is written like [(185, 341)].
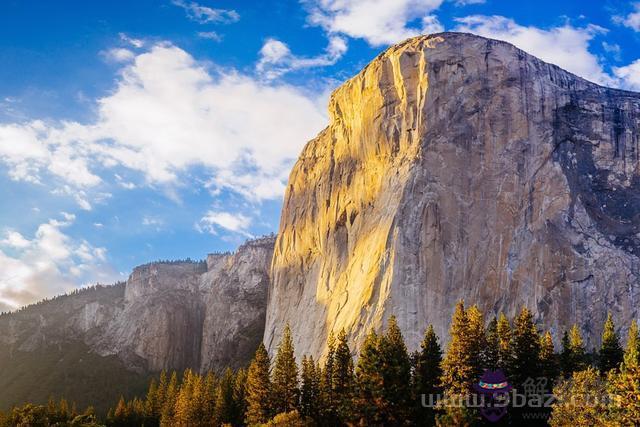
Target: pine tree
[(491, 353), (396, 375), (566, 357), (624, 385), (258, 388), (458, 372), (239, 397), (52, 411), (285, 375), (200, 398), (504, 344), (577, 349), (343, 378), (328, 409), (210, 395), (184, 406), (548, 362), (136, 412), (317, 385), (63, 411), (166, 419), (632, 350), (477, 338), (224, 411), (581, 401), (611, 353), (525, 349), (151, 403), (121, 414), (369, 382), (548, 370), (309, 388), (427, 373), (160, 396)]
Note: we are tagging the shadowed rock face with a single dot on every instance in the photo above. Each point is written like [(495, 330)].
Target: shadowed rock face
[(202, 315), (453, 167)]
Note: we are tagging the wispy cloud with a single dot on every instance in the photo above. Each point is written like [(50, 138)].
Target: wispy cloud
[(276, 57), (210, 35), (119, 55), (204, 14), (137, 43), (213, 221), (632, 20)]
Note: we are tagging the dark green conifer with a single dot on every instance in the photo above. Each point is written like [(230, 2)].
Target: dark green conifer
[(491, 353), (369, 382), (611, 353), (427, 373), (343, 378), (525, 349), (504, 344), (284, 381), (396, 375)]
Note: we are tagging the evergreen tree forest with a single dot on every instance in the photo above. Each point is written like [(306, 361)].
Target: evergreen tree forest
[(385, 385)]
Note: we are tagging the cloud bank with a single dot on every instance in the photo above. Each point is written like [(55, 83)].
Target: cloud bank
[(48, 264), (166, 114)]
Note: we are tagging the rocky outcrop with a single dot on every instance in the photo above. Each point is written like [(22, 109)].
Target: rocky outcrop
[(458, 167), (236, 305), (175, 315)]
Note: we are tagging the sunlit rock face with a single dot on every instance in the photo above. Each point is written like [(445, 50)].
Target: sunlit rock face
[(168, 315), (458, 167)]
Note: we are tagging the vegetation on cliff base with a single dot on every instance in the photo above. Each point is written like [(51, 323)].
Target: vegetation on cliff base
[(387, 385)]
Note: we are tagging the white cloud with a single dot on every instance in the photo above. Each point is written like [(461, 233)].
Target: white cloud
[(210, 35), (276, 58), (166, 114), (204, 14), (632, 20), (379, 22), (137, 43), (468, 2), (236, 223), (13, 239), (430, 25), (49, 264), (119, 55), (149, 221), (612, 48), (629, 75), (566, 46)]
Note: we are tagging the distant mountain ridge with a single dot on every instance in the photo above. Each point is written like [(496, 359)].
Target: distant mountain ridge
[(203, 315)]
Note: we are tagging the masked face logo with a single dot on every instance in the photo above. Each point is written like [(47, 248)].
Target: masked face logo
[(494, 388)]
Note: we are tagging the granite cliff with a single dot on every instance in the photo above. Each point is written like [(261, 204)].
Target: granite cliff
[(458, 167)]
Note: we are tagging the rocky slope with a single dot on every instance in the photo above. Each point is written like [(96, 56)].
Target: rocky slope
[(453, 167), (177, 315)]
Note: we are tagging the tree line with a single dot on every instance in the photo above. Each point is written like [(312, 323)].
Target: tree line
[(386, 384)]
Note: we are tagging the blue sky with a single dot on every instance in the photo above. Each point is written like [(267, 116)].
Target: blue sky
[(135, 131)]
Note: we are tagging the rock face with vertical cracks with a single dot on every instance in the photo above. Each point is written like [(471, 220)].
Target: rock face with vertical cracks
[(453, 167), (168, 315)]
